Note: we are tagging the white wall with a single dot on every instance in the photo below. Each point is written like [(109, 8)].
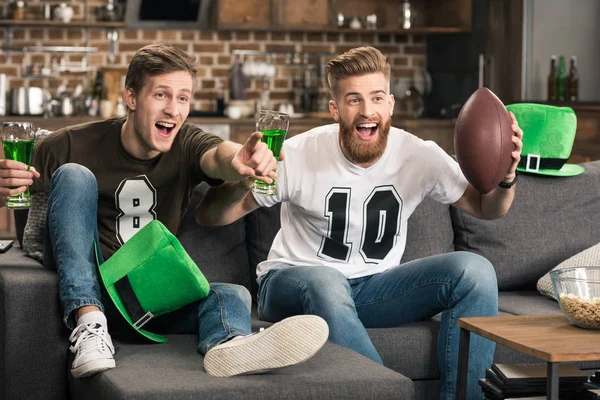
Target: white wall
[(562, 27)]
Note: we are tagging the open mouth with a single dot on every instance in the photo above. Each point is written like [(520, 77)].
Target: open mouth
[(165, 128), (367, 131)]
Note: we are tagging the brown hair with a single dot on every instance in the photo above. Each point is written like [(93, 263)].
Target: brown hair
[(156, 59), (357, 61)]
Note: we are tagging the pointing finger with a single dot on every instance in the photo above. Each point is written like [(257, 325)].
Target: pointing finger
[(253, 140)]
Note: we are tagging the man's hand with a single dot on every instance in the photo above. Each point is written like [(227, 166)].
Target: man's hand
[(14, 177), (516, 153), (255, 160)]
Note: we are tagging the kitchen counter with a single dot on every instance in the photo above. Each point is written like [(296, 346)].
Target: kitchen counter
[(238, 130), (59, 122)]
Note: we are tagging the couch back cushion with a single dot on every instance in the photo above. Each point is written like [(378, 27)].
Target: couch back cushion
[(220, 252), (550, 220), (261, 227), (429, 231)]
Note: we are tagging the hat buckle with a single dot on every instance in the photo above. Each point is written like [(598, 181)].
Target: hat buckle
[(536, 159)]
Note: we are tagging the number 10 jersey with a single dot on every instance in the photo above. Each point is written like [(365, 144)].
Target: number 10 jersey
[(337, 214)]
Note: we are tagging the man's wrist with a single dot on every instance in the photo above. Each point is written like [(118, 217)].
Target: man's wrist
[(508, 185), (247, 183)]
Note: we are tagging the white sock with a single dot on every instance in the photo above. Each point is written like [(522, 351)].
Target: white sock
[(243, 336), (93, 317)]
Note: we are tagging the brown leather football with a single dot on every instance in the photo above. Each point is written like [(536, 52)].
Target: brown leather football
[(482, 140)]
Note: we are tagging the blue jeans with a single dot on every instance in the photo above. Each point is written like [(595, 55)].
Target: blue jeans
[(71, 229), (458, 284)]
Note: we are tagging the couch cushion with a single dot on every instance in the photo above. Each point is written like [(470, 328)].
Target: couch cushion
[(587, 258), (174, 370), (550, 220), (526, 302), (33, 341), (429, 231), (261, 227), (409, 349), (220, 252)]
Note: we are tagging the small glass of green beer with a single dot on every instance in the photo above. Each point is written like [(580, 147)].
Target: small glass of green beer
[(274, 126), (17, 141)]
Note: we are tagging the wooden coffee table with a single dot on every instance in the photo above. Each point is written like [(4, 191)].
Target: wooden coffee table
[(551, 338)]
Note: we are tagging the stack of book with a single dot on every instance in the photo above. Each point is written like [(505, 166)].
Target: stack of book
[(528, 381)]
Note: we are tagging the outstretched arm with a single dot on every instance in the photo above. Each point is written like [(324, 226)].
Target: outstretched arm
[(240, 165), (496, 203), (232, 162), (227, 203)]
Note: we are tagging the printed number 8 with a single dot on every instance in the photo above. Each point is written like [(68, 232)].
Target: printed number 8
[(135, 199)]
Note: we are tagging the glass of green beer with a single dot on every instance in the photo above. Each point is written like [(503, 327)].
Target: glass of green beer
[(274, 126), (17, 141)]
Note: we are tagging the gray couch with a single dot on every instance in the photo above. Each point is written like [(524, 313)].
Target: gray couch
[(551, 220)]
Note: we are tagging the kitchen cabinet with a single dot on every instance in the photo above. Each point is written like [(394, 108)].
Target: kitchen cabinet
[(311, 14), (454, 63), (273, 14), (249, 14), (428, 16), (586, 146)]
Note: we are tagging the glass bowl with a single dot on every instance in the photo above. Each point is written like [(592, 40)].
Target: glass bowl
[(578, 292)]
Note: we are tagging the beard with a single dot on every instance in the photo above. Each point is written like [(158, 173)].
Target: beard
[(361, 152)]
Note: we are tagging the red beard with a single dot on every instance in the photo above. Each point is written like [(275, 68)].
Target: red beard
[(358, 151)]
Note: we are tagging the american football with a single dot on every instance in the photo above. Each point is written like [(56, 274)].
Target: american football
[(482, 140)]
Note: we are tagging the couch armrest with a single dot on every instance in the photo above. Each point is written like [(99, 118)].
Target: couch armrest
[(33, 339)]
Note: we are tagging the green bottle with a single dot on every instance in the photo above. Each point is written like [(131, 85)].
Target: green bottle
[(561, 80)]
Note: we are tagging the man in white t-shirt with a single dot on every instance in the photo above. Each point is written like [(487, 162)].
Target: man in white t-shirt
[(347, 192)]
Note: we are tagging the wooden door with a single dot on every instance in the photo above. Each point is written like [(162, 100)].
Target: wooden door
[(247, 14)]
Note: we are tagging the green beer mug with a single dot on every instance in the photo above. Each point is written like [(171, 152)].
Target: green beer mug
[(274, 126), (17, 141)]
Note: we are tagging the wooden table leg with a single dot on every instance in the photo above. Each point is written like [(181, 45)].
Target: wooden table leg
[(552, 381), (463, 364)]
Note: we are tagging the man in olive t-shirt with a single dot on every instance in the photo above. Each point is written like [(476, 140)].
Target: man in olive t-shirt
[(105, 180), (131, 191)]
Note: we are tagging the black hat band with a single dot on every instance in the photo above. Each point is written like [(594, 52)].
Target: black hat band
[(533, 162), (131, 303)]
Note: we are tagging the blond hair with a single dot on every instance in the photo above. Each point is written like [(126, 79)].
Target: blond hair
[(157, 59), (355, 62)]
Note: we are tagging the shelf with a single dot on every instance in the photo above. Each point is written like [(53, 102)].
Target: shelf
[(417, 30), (59, 24), (57, 49)]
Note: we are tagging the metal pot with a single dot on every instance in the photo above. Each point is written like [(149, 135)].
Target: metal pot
[(28, 101)]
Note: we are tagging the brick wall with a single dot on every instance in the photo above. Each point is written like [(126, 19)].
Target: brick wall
[(214, 50)]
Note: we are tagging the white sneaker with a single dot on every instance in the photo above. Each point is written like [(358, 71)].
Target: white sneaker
[(93, 350), (288, 342)]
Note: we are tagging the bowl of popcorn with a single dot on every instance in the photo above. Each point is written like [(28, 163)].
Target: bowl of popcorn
[(578, 292)]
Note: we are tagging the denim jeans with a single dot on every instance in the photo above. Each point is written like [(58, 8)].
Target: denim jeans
[(71, 229), (458, 284)]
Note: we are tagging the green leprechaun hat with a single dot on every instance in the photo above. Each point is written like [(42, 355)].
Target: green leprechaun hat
[(151, 275), (548, 136)]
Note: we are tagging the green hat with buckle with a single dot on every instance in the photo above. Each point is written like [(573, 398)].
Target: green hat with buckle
[(548, 136), (151, 275)]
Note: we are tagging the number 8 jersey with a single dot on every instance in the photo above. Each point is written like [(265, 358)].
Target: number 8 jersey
[(337, 214), (131, 192)]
